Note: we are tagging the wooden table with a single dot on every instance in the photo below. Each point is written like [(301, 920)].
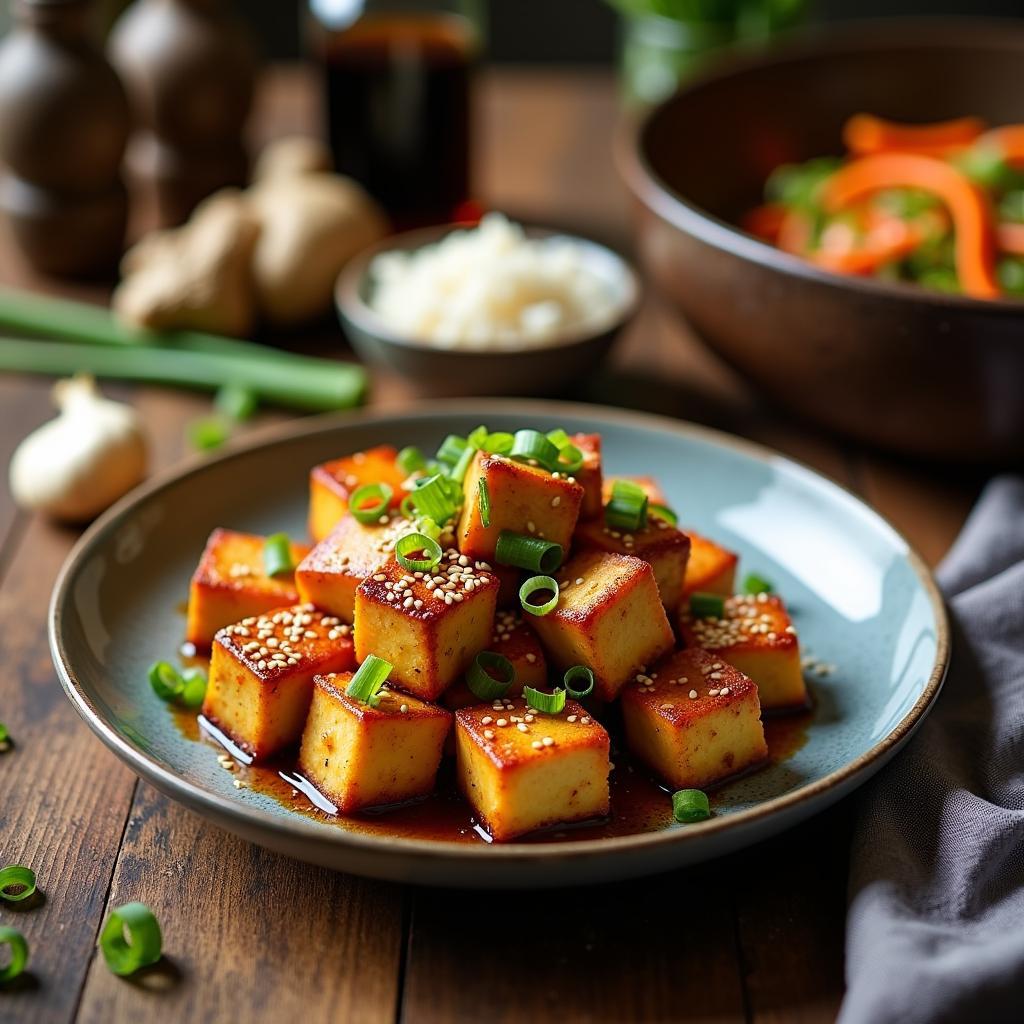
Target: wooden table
[(251, 936)]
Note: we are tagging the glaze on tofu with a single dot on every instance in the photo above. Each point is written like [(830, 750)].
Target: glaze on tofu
[(589, 475), (711, 569)]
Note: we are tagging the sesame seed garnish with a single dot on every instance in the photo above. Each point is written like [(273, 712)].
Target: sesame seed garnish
[(571, 718), (488, 734), (712, 693), (501, 723), (536, 744), (665, 707), (486, 720), (404, 708), (725, 691), (522, 727), (693, 695), (548, 741)]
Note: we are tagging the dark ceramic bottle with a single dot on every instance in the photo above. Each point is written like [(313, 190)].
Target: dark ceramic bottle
[(189, 67), (64, 123)]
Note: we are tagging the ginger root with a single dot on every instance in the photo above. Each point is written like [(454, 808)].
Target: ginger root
[(197, 276)]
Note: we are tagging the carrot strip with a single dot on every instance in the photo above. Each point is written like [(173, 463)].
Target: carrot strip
[(887, 240), (1008, 141), (1010, 238), (969, 207), (865, 134), (794, 233), (765, 221)]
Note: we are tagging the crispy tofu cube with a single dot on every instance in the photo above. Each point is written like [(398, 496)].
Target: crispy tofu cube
[(552, 770), (510, 579), (659, 543), (588, 476), (609, 617), (363, 756), (524, 499), (694, 720), (649, 485), (711, 568), (261, 675), (428, 626), (329, 574), (230, 584), (331, 484), (756, 636)]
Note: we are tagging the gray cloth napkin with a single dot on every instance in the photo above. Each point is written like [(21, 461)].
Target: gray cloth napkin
[(936, 924)]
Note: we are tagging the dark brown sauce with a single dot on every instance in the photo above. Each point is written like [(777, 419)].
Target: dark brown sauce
[(638, 802)]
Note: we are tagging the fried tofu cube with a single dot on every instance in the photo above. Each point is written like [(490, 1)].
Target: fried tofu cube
[(524, 499), (261, 675), (647, 484), (510, 579), (756, 636), (658, 543), (588, 476), (609, 617), (332, 483), (711, 568), (230, 584), (362, 756), (429, 627), (694, 720), (329, 574), (523, 770)]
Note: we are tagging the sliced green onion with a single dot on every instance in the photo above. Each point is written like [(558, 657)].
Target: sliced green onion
[(433, 498), (412, 543), (754, 584), (193, 690), (5, 737), (485, 502), (15, 942), (21, 880), (662, 512), (532, 445), (525, 552), (369, 678), (570, 458), (410, 460), (477, 438), (428, 527), (131, 938), (208, 432), (558, 437), (166, 680), (237, 403), (408, 507), (499, 443), (549, 703), (578, 674), (370, 502), (628, 506), (451, 449), (707, 606), (277, 555), (458, 471), (481, 675), (532, 586), (690, 805)]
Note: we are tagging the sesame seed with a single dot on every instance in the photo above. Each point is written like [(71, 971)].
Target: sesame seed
[(725, 691), (501, 723), (548, 741), (571, 718), (579, 580), (665, 707), (486, 720), (536, 744), (713, 693), (488, 734), (556, 501), (523, 727), (693, 695)]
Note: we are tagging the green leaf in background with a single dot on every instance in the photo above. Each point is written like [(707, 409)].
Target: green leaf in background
[(1010, 271), (1011, 206)]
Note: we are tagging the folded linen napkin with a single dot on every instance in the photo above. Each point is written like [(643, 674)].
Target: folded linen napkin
[(936, 924)]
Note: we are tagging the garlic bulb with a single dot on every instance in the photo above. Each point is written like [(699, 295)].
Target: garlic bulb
[(78, 464)]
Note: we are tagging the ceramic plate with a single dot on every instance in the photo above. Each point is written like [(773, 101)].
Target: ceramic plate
[(862, 601)]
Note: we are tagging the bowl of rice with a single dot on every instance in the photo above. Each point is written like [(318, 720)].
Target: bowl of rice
[(489, 309)]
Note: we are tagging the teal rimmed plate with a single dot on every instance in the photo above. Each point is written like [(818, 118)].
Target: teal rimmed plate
[(862, 599)]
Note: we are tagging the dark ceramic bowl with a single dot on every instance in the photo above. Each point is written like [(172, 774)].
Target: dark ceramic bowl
[(437, 371), (893, 364)]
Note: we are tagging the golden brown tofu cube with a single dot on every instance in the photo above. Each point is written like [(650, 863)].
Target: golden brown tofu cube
[(659, 543), (694, 720), (609, 617), (261, 675), (648, 484), (588, 476), (523, 770), (332, 483), (510, 579), (230, 584), (329, 574), (429, 626), (524, 499), (711, 568), (756, 636), (363, 756)]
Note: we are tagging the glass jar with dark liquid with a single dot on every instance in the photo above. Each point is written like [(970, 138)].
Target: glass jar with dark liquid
[(398, 80)]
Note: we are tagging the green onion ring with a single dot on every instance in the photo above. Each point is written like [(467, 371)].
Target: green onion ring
[(408, 507), (412, 542), (369, 678), (141, 947), (165, 679), (410, 460), (707, 606), (14, 941), (754, 584), (13, 876), (525, 552), (480, 675), (499, 443), (193, 690), (458, 472), (477, 438), (451, 449), (237, 403), (433, 498), (485, 502), (277, 555), (532, 445), (662, 512), (627, 508), (690, 805), (379, 494), (549, 703), (575, 673), (570, 458), (531, 586)]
